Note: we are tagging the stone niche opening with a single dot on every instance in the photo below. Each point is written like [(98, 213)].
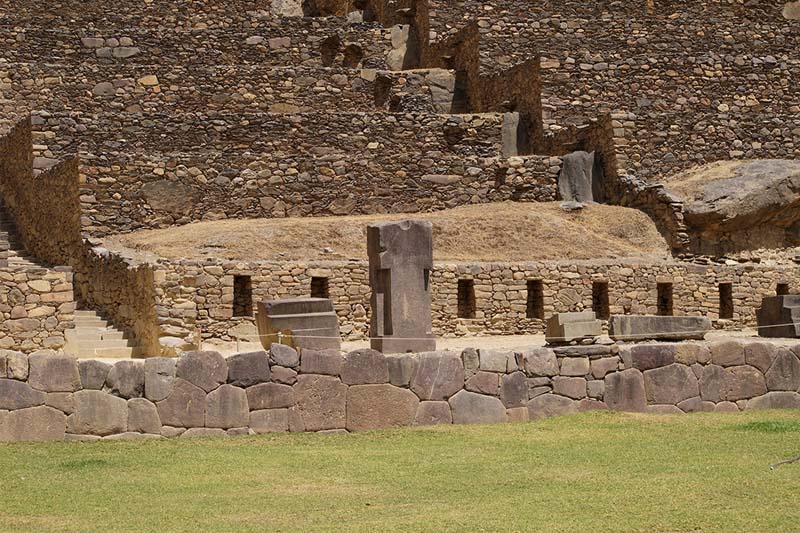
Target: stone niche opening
[(664, 301), (726, 301), (535, 301), (782, 289), (600, 304), (466, 298), (320, 287), (242, 296)]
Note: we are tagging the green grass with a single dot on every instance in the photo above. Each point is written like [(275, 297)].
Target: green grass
[(589, 472)]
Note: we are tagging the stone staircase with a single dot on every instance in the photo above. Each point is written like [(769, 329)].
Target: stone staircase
[(11, 243), (95, 338)]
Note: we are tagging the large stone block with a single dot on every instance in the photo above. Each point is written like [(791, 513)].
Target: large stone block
[(548, 405), (471, 408), (784, 374), (269, 420), (625, 391), (631, 328), (574, 388), (16, 364), (775, 400), (270, 396), (575, 366), (143, 416), (497, 361), (563, 328), (401, 368), (159, 375), (51, 372), (98, 413), (670, 384), (689, 353), (283, 355), (379, 406), (248, 369), (184, 407), (433, 413), (540, 362), (514, 390), (33, 424), (303, 323), (326, 362), (19, 395), (207, 370), (126, 379), (321, 401), (227, 407), (760, 355), (604, 365), (484, 383), (63, 401), (437, 376), (727, 353), (775, 317), (365, 366), (712, 384), (650, 356), (743, 382), (93, 373)]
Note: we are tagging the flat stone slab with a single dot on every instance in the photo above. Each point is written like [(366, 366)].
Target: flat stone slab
[(568, 327), (645, 327)]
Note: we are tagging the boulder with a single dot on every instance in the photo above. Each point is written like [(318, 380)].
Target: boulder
[(321, 401), (760, 355), (548, 405), (743, 382), (184, 407), (784, 374), (471, 408), (365, 367), (159, 375), (696, 405), (649, 356), (270, 396), (269, 420), (33, 424), (143, 416), (775, 400), (51, 372), (93, 373), (437, 376), (670, 384), (126, 379), (283, 355), (727, 353), (226, 408), (19, 395), (379, 406), (624, 391), (98, 413), (540, 362), (248, 369), (726, 407), (574, 388), (433, 413), (204, 369), (514, 390), (281, 374), (326, 362)]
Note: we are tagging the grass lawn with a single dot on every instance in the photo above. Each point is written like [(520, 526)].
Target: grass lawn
[(588, 472)]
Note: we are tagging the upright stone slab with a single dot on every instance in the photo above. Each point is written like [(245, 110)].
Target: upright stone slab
[(632, 328), (306, 323), (779, 316), (568, 327), (400, 262)]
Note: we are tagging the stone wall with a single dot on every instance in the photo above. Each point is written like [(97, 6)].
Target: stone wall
[(56, 397)]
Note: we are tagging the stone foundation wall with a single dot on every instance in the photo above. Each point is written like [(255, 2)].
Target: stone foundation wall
[(46, 396)]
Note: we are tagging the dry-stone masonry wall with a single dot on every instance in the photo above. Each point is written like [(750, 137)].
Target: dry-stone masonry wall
[(46, 396)]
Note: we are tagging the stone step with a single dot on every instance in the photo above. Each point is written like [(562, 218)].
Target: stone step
[(112, 353), (97, 334), (85, 312), (88, 344)]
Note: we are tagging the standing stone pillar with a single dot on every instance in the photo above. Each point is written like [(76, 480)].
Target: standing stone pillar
[(400, 262)]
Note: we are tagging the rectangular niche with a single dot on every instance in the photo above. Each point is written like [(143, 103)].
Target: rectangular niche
[(319, 287), (726, 301), (782, 289), (665, 307), (600, 300), (242, 296), (466, 298), (535, 302)]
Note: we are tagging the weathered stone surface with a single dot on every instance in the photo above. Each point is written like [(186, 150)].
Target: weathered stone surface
[(239, 432), (126, 379), (664, 410), (649, 356), (207, 370), (19, 395), (484, 383), (379, 406), (132, 435), (604, 365), (632, 328), (269, 420), (592, 351), (16, 364), (760, 355), (689, 353), (143, 416), (248, 369), (514, 390), (568, 327), (670, 384), (712, 383), (51, 372), (574, 388), (548, 405), (727, 353), (401, 368), (203, 432), (184, 407), (695, 405), (270, 396), (576, 179), (471, 361), (227, 407), (784, 374), (281, 374), (625, 391), (321, 401), (33, 424), (159, 375), (743, 382), (471, 408), (575, 366), (775, 400), (327, 362), (283, 355), (93, 373), (433, 413), (63, 401), (170, 196), (366, 366), (170, 432), (438, 376), (596, 388), (589, 404), (98, 413), (540, 362), (517, 414), (496, 361), (726, 407)]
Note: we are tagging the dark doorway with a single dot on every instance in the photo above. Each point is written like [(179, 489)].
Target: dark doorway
[(726, 300), (535, 303), (664, 299), (600, 300), (319, 287), (466, 298), (242, 296)]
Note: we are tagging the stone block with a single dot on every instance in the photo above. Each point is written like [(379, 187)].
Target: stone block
[(19, 395), (592, 351), (625, 391), (514, 390), (239, 432), (727, 407), (248, 369), (401, 368), (743, 382), (63, 401), (548, 405), (670, 384), (563, 328), (601, 367), (497, 361), (471, 361), (204, 369), (16, 364), (171, 432), (270, 396), (227, 407), (596, 388), (143, 416), (433, 413), (775, 400), (784, 374), (321, 401), (314, 319), (379, 406), (326, 362), (366, 366), (126, 379), (484, 383), (269, 420), (574, 388), (283, 355), (575, 366), (696, 405), (664, 409), (98, 413), (589, 404), (437, 376), (688, 353), (40, 423), (51, 372), (471, 408), (203, 433), (184, 407), (632, 328), (727, 353), (712, 383), (281, 374), (540, 362), (775, 316), (93, 373), (650, 356), (760, 355), (131, 435), (159, 376)]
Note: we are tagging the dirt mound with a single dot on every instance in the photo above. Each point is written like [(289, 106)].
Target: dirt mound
[(487, 232)]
